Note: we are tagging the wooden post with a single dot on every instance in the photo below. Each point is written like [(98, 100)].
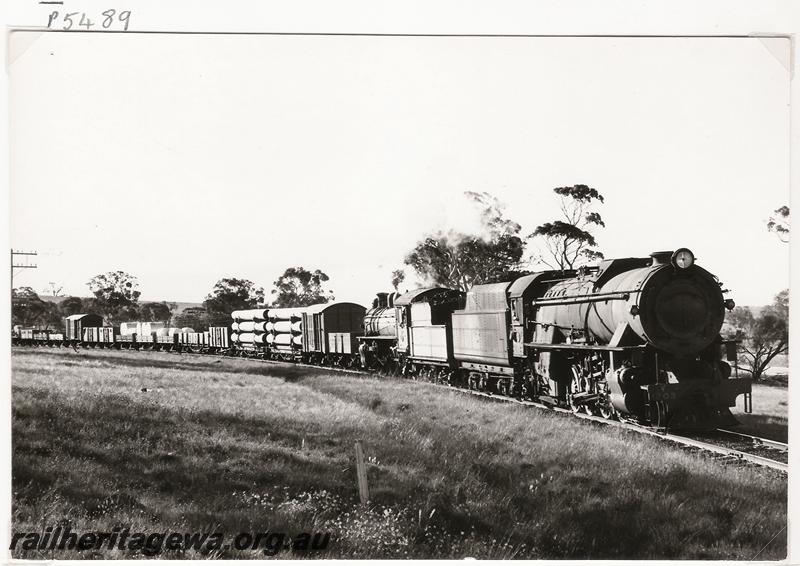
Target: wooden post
[(361, 472)]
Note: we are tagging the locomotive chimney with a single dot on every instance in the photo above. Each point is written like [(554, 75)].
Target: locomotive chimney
[(660, 258), (383, 300)]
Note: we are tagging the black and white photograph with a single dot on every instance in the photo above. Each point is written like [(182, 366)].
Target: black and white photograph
[(369, 289)]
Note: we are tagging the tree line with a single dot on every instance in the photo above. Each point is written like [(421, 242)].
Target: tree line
[(115, 296)]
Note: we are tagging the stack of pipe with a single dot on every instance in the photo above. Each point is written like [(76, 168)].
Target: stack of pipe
[(285, 328), (249, 326)]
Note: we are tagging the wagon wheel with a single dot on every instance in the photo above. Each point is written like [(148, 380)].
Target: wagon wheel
[(604, 407), (661, 414), (576, 386), (575, 407)]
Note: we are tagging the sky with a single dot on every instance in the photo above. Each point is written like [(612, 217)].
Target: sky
[(183, 159)]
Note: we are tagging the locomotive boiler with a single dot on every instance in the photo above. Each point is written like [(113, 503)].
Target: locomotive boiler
[(377, 347), (637, 337)]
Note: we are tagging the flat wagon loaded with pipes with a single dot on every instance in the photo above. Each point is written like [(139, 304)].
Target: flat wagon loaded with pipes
[(324, 334)]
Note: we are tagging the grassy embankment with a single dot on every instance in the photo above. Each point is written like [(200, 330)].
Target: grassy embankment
[(770, 416), (161, 443)]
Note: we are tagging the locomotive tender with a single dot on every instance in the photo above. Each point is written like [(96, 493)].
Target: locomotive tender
[(632, 338)]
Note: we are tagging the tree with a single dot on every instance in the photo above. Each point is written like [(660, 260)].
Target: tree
[(398, 276), (763, 337), (54, 290), (27, 308), (52, 317), (493, 218), (116, 295), (779, 223), (230, 294), (458, 260), (161, 312), (72, 305), (298, 287), (195, 318), (569, 240)]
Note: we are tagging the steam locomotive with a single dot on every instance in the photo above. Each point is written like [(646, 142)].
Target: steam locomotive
[(637, 338), (631, 338)]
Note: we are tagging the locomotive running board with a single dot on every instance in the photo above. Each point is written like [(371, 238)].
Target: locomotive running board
[(544, 346)]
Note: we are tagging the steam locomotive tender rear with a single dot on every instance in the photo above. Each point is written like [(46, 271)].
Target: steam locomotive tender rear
[(424, 332), (639, 338)]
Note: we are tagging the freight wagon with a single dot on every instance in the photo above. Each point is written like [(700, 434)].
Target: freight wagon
[(330, 333)]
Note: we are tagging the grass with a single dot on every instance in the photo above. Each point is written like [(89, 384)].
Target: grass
[(770, 416), (158, 442)]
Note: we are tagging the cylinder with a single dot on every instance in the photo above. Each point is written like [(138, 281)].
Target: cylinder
[(282, 326), (270, 338), (269, 326), (282, 339), (297, 340), (260, 338), (247, 338), (247, 326), (234, 337), (297, 327), (290, 313), (249, 315)]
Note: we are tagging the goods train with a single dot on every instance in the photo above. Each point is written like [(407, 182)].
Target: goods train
[(632, 338)]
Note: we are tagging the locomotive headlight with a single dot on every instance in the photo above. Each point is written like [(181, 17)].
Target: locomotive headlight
[(683, 258)]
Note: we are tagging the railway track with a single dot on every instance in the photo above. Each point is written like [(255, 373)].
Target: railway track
[(758, 441), (719, 450), (724, 450)]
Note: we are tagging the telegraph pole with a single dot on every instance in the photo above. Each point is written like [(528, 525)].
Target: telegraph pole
[(23, 263)]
